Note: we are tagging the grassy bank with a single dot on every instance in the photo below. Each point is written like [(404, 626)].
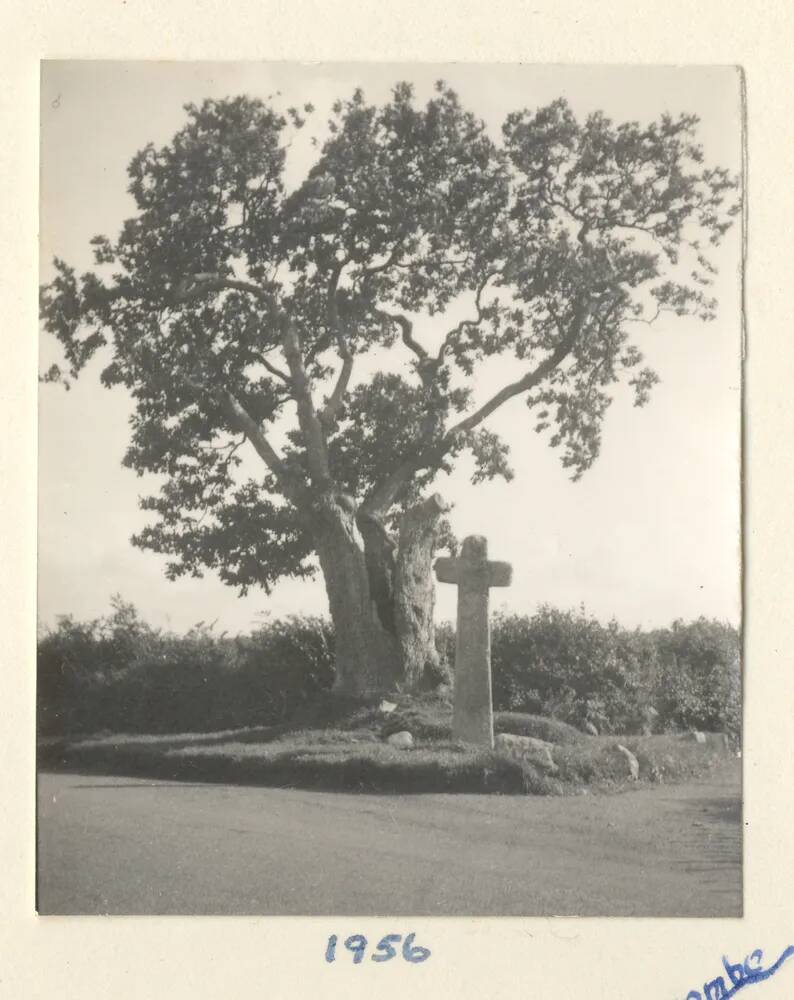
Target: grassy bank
[(348, 752)]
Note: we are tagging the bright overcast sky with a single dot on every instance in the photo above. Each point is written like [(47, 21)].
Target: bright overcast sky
[(649, 534)]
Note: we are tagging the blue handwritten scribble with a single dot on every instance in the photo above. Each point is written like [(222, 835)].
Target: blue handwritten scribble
[(740, 974)]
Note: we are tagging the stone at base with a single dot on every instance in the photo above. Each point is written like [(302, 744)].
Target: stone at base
[(631, 760), (535, 751), (403, 739)]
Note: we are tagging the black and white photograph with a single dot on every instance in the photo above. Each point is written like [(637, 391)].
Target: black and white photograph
[(390, 491)]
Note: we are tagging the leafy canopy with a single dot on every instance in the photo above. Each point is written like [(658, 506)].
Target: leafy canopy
[(229, 303)]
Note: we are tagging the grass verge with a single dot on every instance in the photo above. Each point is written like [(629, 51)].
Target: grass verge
[(349, 754)]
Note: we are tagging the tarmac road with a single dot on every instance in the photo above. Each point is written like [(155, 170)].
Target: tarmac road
[(126, 846)]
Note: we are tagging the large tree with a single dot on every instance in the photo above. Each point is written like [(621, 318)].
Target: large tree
[(237, 313)]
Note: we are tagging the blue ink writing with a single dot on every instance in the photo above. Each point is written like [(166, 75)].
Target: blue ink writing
[(385, 945), (384, 950), (357, 944), (739, 975)]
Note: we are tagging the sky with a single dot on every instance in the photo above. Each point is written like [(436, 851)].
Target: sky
[(648, 535)]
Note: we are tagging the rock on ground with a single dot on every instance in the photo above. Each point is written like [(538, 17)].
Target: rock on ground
[(631, 761), (403, 739), (720, 741), (536, 751)]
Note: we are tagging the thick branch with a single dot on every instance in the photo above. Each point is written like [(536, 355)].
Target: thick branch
[(464, 323), (197, 285), (386, 492), (384, 495), (335, 400), (274, 371), (323, 341), (426, 365), (529, 381), (314, 439), (390, 261), (406, 329), (331, 408), (241, 418)]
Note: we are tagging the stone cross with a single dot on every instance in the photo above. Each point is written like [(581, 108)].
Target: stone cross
[(472, 718)]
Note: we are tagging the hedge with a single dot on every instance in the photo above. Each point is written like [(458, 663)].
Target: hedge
[(118, 674)]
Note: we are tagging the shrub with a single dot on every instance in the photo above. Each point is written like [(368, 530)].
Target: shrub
[(118, 674), (567, 665), (697, 683), (287, 664), (121, 675)]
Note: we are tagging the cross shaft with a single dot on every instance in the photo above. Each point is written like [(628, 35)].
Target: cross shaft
[(474, 575)]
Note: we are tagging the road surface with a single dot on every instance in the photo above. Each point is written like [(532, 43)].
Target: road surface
[(126, 846)]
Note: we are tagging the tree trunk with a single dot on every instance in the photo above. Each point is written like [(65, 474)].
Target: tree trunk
[(414, 595), (381, 596), (367, 653)]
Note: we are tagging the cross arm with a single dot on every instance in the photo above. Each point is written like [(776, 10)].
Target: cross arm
[(492, 574), (447, 570), (500, 574)]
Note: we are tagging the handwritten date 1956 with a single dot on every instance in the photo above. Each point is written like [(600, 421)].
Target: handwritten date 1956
[(384, 950)]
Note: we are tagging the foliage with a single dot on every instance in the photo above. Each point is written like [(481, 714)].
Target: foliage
[(228, 304), (120, 675), (551, 672), (567, 665), (698, 681)]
